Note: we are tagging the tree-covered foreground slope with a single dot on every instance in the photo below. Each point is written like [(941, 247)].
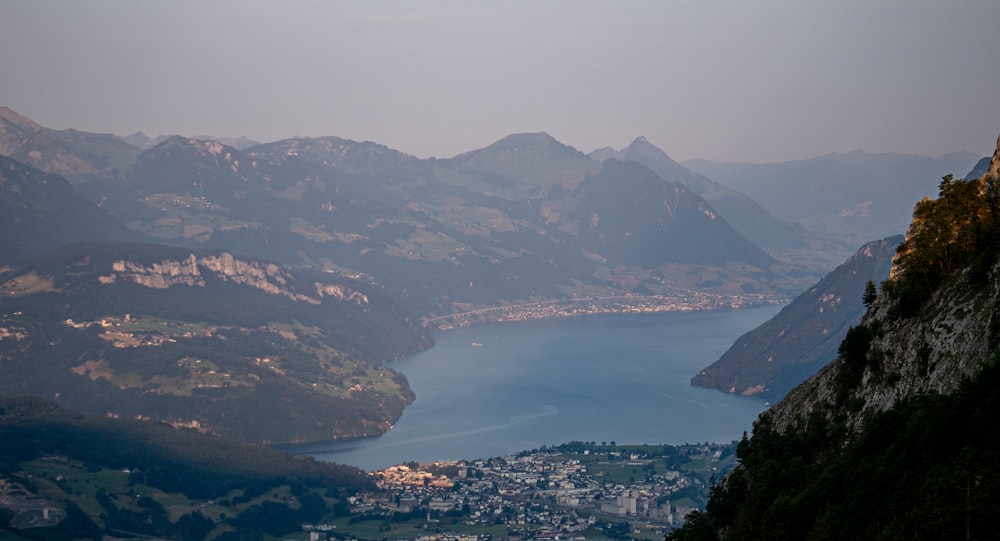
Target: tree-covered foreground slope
[(232, 346), (64, 475), (897, 438)]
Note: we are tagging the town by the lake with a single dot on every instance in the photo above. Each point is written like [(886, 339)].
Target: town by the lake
[(578, 490)]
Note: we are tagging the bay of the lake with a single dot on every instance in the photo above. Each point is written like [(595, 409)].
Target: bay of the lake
[(498, 389)]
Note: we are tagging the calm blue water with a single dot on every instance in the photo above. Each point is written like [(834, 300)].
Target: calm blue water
[(622, 378)]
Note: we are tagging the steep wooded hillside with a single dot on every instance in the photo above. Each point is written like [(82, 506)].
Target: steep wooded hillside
[(77, 155), (897, 438)]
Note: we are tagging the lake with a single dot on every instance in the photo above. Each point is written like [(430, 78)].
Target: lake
[(497, 389)]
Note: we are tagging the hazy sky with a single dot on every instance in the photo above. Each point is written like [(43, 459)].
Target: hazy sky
[(731, 80)]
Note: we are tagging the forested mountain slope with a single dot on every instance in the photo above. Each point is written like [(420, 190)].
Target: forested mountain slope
[(897, 438), (232, 346)]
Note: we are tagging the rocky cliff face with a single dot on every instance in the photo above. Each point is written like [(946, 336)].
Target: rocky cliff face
[(907, 357), (191, 270), (901, 357)]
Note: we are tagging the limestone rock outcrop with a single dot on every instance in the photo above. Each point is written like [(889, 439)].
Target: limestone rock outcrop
[(191, 271)]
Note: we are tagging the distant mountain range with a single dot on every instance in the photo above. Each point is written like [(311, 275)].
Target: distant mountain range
[(740, 211), (524, 219), (143, 141), (854, 197)]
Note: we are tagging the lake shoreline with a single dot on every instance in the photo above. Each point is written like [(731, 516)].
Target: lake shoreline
[(496, 389), (598, 305)]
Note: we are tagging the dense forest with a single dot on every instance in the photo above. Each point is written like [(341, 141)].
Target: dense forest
[(239, 478), (927, 470)]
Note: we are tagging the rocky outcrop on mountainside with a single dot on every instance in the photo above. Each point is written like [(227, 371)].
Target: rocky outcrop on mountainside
[(935, 349), (190, 270), (909, 357)]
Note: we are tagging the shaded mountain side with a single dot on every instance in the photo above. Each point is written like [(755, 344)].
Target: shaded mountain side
[(41, 211), (630, 215), (200, 167), (897, 438), (785, 350), (70, 476), (980, 169), (743, 213), (232, 346)]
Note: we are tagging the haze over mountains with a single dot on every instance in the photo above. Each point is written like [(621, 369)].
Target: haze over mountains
[(525, 222), (366, 210), (274, 280), (522, 220), (854, 197), (745, 214)]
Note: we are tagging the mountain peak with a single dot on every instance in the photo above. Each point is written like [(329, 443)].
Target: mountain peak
[(524, 145), (641, 144), (203, 146), (641, 140), (519, 141)]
